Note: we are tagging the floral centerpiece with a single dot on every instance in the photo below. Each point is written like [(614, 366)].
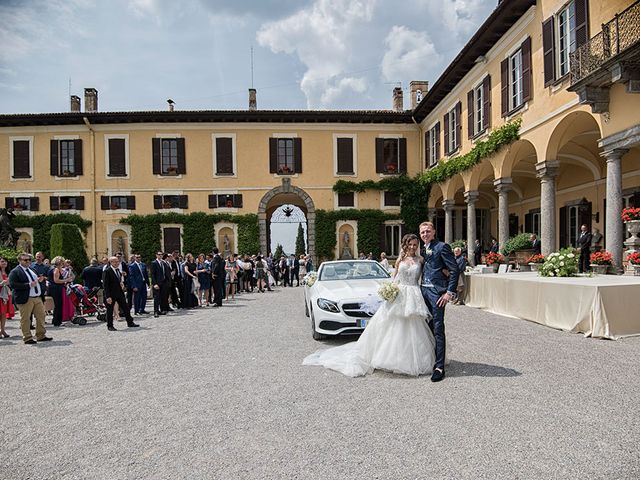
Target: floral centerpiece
[(538, 258), (600, 258), (493, 258), (389, 291), (560, 264), (310, 278), (630, 214), (634, 260)]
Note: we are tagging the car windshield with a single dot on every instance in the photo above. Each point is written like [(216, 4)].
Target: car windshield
[(352, 271)]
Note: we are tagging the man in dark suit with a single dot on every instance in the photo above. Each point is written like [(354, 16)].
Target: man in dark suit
[(113, 284), (138, 281), (439, 284), (27, 296), (477, 253), (166, 288), (584, 244), (157, 282), (535, 244), (176, 279), (295, 270), (92, 274), (218, 273), (495, 246)]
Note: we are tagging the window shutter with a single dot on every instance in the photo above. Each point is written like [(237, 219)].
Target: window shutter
[(77, 157), (427, 149), (446, 133), (131, 202), (224, 156), (54, 203), (391, 199), (213, 201), (402, 155), (379, 155), (8, 202), (116, 157), (54, 164), (383, 238), (80, 203), (297, 155), (527, 91), (35, 204), (182, 162), (528, 222), (157, 202), (344, 147), (237, 201), (184, 201), (486, 105), (437, 141), (346, 199), (105, 202), (273, 155), (470, 114), (548, 51), (21, 159), (458, 125), (563, 228), (582, 22), (504, 86), (584, 215), (157, 162)]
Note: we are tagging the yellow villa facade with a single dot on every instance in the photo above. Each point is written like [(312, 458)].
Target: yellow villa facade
[(572, 83)]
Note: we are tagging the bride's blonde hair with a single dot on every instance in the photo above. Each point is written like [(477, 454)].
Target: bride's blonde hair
[(404, 244)]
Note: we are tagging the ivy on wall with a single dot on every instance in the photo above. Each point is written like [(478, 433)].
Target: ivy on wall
[(42, 224), (197, 229), (369, 222)]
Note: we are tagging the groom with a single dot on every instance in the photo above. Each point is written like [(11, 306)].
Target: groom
[(439, 284)]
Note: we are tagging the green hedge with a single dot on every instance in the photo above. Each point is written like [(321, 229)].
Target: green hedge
[(67, 242), (369, 222), (10, 255), (521, 241), (42, 224), (197, 228)]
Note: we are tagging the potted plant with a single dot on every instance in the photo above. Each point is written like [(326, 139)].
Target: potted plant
[(521, 246), (535, 261), (18, 207), (600, 261), (560, 264), (67, 173), (390, 168), (634, 260), (166, 205), (631, 218), (172, 171), (493, 260)]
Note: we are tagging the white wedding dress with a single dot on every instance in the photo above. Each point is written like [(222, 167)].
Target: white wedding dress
[(397, 338)]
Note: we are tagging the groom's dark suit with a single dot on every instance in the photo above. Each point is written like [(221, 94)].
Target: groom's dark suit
[(438, 257)]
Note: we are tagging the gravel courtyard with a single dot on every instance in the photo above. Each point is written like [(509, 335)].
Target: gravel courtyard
[(221, 393)]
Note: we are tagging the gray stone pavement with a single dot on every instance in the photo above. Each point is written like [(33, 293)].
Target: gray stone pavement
[(221, 393)]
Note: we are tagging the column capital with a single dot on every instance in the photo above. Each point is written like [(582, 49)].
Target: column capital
[(503, 184), (471, 196), (614, 155), (547, 169), (447, 205)]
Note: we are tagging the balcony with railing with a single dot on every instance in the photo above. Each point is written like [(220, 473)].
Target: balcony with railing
[(611, 56)]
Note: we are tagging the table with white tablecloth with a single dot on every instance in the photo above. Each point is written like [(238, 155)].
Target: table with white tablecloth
[(606, 306)]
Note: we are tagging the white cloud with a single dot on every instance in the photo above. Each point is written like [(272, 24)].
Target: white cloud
[(406, 54)]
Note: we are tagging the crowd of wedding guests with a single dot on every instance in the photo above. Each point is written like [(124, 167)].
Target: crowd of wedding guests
[(176, 282)]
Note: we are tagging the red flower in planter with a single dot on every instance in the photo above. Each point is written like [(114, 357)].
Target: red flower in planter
[(630, 213), (634, 258), (600, 258), (539, 258), (493, 258)]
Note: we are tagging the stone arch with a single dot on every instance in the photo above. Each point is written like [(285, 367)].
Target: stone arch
[(292, 195), (576, 125)]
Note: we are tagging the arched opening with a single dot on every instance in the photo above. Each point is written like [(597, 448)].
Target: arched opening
[(284, 223), (120, 243)]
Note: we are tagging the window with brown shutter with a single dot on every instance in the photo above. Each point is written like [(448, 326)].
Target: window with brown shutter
[(486, 104), (470, 114), (22, 204), (21, 154), (168, 156), (446, 133), (548, 52), (346, 199), (391, 199), (224, 156), (225, 200), (66, 158), (117, 164), (285, 156), (527, 90), (344, 147), (391, 155), (171, 237)]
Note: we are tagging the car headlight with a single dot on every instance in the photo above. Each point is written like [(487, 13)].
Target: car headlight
[(328, 305)]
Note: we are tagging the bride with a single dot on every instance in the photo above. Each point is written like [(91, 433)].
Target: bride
[(397, 338)]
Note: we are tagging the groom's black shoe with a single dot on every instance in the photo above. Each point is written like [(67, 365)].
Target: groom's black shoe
[(437, 375)]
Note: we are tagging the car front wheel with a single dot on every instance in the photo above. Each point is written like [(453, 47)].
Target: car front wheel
[(314, 333)]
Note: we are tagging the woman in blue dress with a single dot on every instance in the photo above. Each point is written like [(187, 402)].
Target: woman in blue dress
[(203, 269)]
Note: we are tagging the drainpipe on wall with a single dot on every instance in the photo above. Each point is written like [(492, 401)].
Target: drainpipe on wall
[(92, 172)]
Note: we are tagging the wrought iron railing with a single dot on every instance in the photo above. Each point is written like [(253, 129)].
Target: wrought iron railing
[(616, 36)]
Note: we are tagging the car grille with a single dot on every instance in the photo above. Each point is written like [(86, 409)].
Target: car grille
[(354, 310)]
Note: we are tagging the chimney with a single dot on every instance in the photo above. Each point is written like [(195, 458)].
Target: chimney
[(419, 89), (253, 104), (75, 103), (398, 102), (90, 100), (171, 103)]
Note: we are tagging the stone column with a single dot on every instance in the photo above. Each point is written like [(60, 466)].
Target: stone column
[(447, 206), (471, 197), (457, 230), (547, 172), (615, 227), (503, 187)]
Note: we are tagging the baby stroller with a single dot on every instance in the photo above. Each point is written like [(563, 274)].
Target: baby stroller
[(86, 303)]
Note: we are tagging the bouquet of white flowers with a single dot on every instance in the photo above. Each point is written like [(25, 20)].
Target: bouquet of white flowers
[(310, 278), (560, 264), (389, 291)]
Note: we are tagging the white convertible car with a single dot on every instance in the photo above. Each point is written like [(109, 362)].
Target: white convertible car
[(334, 296)]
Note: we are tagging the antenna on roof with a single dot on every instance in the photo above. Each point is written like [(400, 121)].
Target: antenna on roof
[(251, 66)]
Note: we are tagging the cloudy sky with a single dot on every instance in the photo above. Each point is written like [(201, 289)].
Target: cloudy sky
[(307, 54)]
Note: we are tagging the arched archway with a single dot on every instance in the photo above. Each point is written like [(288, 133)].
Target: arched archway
[(286, 194)]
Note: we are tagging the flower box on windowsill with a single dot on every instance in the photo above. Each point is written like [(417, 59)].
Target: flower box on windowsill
[(285, 170), (67, 173), (171, 171), (390, 169), (167, 205), (18, 207), (65, 206)]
